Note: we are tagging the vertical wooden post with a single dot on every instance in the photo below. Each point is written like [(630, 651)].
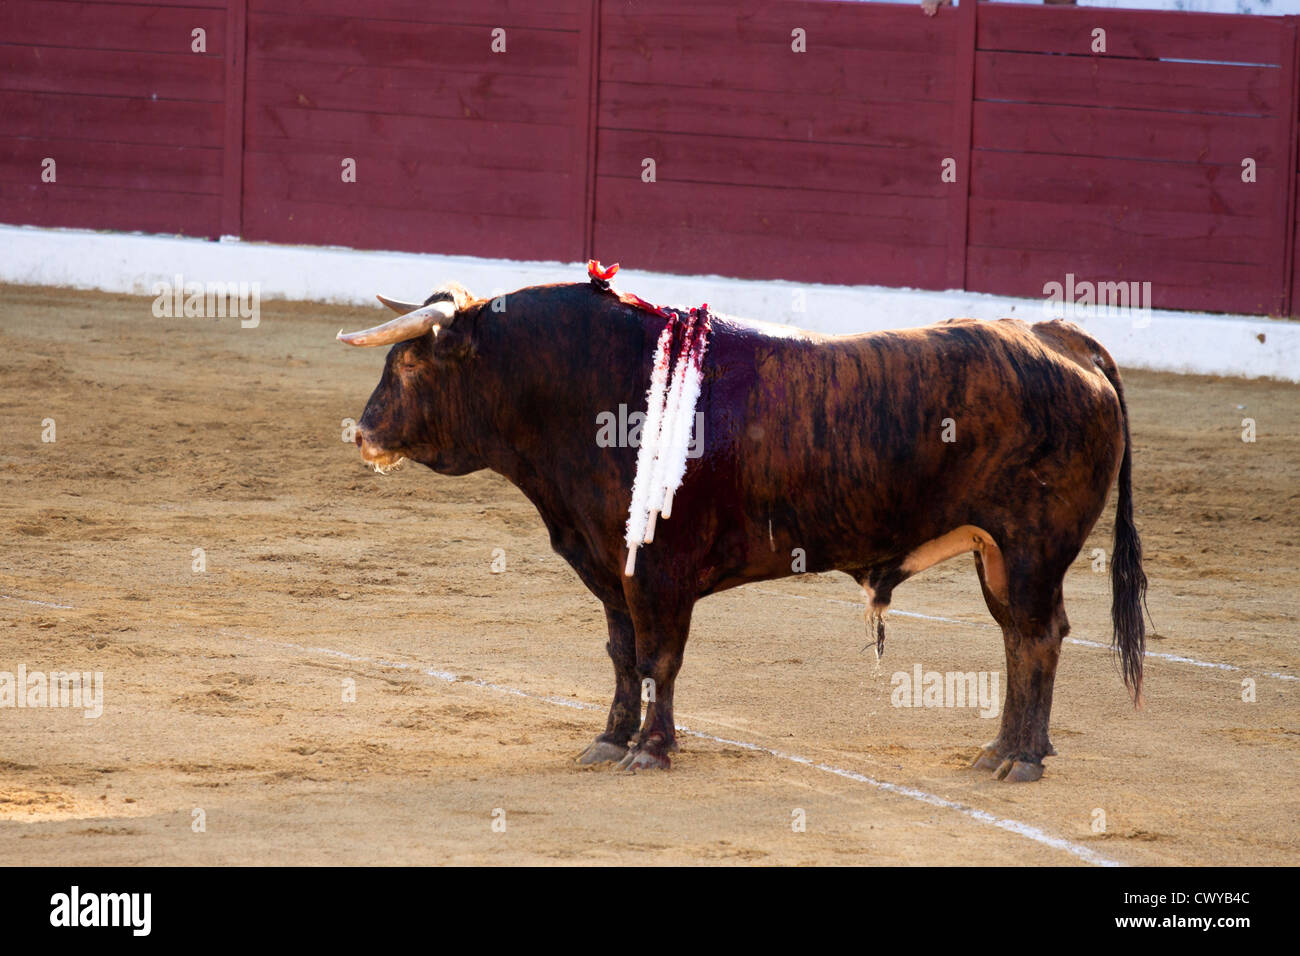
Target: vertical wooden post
[(963, 106), (1291, 241), (232, 170), (587, 97)]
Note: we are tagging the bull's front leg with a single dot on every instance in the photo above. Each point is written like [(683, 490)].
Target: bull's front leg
[(662, 623), (625, 711)]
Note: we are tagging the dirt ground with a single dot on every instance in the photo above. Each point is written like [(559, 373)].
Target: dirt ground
[(225, 737)]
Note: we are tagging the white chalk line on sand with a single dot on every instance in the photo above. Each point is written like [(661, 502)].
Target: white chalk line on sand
[(982, 816), (62, 607), (1028, 831), (1158, 655)]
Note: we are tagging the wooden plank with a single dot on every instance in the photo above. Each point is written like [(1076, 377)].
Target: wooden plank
[(691, 62), (776, 163), (110, 119), (122, 26), (347, 40), (829, 28), (372, 135), (959, 191), (405, 230), (1133, 134), (447, 94), (170, 76), (1080, 228), (693, 252), (805, 117), (1215, 287), (739, 211), (188, 4), (1145, 34), (75, 207), (1141, 185), (233, 126), (536, 14), (587, 106), (1294, 307), (128, 166), (1290, 207), (418, 184), (1137, 84)]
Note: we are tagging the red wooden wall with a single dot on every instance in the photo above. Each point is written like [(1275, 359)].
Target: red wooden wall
[(1294, 304), (821, 165), (458, 149), (817, 166), (1127, 165), (131, 117)]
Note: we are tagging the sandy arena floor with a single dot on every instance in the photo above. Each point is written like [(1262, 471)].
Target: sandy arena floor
[(224, 689)]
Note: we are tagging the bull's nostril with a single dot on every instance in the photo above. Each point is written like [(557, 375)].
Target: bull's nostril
[(359, 439)]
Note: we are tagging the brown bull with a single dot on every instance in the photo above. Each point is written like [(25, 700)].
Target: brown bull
[(877, 454)]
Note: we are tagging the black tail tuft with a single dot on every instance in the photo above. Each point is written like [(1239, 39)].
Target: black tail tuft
[(1127, 579)]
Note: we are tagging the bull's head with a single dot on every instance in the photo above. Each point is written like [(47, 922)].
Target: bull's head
[(419, 408)]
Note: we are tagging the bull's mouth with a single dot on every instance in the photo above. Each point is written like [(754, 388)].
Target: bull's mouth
[(382, 461)]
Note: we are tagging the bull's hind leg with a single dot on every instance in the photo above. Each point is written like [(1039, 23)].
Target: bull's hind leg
[(993, 753), (625, 711), (1032, 632), (1031, 672)]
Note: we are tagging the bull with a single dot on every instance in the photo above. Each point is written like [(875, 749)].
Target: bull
[(879, 455)]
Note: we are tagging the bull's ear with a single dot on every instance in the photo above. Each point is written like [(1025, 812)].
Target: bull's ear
[(452, 292), (407, 326)]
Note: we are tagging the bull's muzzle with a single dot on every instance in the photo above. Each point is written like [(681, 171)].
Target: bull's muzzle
[(381, 459)]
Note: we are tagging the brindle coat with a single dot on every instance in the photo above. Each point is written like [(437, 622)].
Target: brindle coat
[(831, 444)]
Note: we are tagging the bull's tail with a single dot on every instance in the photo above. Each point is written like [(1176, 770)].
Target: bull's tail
[(1127, 579)]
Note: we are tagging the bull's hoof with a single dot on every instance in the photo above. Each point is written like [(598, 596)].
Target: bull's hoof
[(989, 757), (644, 760), (602, 751), (649, 754), (1018, 771)]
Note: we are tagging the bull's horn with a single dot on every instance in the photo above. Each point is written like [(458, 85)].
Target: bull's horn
[(401, 308), (409, 326)]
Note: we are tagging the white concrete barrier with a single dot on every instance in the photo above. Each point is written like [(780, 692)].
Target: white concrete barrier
[(1193, 342)]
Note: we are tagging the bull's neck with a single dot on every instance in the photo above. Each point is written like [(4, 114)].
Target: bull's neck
[(548, 376)]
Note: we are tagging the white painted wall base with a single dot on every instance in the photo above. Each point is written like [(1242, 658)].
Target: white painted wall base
[(116, 262)]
